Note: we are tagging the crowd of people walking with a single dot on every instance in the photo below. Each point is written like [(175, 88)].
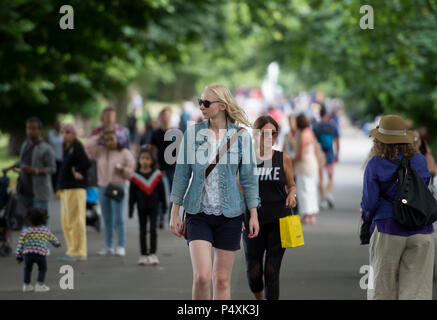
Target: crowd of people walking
[(233, 181)]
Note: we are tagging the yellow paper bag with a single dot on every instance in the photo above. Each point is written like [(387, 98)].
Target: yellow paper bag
[(291, 231)]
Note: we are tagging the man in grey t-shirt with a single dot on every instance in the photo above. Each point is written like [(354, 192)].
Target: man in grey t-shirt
[(36, 164)]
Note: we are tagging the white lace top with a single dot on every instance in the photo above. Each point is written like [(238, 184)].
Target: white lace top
[(210, 202)]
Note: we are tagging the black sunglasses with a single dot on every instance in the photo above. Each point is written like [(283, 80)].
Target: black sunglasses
[(206, 103)]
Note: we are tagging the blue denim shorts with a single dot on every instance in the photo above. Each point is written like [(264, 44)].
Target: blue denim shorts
[(223, 233)]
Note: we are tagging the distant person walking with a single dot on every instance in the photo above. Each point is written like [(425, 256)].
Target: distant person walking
[(33, 247), (37, 164), (109, 122), (423, 147), (289, 146), (56, 141), (147, 191), (306, 170), (277, 191), (327, 134), (115, 165), (72, 190), (161, 144), (402, 259), (215, 205)]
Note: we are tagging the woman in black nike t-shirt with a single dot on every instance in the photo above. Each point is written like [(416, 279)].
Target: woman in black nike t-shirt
[(277, 191)]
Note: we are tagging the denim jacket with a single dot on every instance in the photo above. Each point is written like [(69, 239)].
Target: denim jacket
[(192, 162)]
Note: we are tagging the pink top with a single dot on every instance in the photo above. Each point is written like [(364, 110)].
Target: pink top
[(107, 161)]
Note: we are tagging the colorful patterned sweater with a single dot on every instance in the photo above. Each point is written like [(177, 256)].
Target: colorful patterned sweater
[(35, 240)]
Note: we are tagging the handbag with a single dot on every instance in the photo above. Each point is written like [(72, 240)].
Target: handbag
[(208, 171), (414, 206), (291, 232), (113, 191)]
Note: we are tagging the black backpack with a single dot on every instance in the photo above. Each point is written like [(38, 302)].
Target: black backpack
[(414, 206)]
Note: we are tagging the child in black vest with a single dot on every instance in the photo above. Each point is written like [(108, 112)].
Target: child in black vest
[(147, 191)]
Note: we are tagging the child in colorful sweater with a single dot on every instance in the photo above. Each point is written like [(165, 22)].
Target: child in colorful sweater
[(33, 246), (147, 191)]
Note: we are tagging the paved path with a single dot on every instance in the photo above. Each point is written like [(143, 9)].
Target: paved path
[(327, 267)]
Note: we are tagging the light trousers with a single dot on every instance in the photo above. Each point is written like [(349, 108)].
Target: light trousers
[(73, 210), (402, 266)]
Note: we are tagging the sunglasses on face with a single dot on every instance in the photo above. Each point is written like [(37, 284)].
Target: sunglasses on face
[(206, 103)]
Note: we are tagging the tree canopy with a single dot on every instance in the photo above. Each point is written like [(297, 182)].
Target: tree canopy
[(186, 44)]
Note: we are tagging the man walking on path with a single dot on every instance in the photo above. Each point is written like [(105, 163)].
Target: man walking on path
[(327, 134), (37, 164), (161, 144)]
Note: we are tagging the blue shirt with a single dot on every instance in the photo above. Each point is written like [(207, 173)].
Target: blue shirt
[(326, 132), (377, 176)]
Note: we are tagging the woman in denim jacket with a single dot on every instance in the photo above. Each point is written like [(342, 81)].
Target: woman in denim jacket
[(215, 205)]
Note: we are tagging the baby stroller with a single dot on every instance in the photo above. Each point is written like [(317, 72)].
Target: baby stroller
[(5, 248), (93, 211)]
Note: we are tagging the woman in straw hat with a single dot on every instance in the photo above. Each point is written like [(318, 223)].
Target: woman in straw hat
[(401, 259)]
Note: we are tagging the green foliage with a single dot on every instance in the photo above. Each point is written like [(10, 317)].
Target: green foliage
[(391, 68), (172, 49), (48, 71)]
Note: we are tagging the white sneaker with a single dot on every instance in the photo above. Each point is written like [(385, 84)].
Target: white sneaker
[(153, 259), (27, 288), (324, 205), (330, 200), (143, 260), (41, 288), (106, 251), (120, 251)]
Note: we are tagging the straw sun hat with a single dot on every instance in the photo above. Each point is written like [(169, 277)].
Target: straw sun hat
[(392, 129)]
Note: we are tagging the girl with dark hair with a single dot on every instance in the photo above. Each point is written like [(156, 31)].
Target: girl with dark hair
[(277, 191), (147, 191), (33, 246), (115, 165), (72, 190)]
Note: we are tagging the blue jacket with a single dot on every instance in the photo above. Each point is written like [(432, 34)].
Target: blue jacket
[(377, 176), (193, 160)]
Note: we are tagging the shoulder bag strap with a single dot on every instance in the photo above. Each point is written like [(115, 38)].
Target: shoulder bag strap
[(383, 193), (223, 151)]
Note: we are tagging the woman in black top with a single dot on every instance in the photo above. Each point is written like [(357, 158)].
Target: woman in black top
[(72, 190), (277, 191), (147, 191)]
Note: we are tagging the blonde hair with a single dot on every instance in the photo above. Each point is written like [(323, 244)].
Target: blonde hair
[(233, 111)]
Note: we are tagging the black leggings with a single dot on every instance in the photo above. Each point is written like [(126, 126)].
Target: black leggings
[(152, 217), (29, 260), (268, 241)]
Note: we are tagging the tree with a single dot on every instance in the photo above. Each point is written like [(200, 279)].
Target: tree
[(389, 69), (48, 71)]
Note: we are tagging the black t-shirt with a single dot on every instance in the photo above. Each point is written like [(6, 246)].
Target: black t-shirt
[(161, 144), (272, 190)]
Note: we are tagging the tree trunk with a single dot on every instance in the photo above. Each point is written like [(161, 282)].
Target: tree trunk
[(16, 139), (120, 103)]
